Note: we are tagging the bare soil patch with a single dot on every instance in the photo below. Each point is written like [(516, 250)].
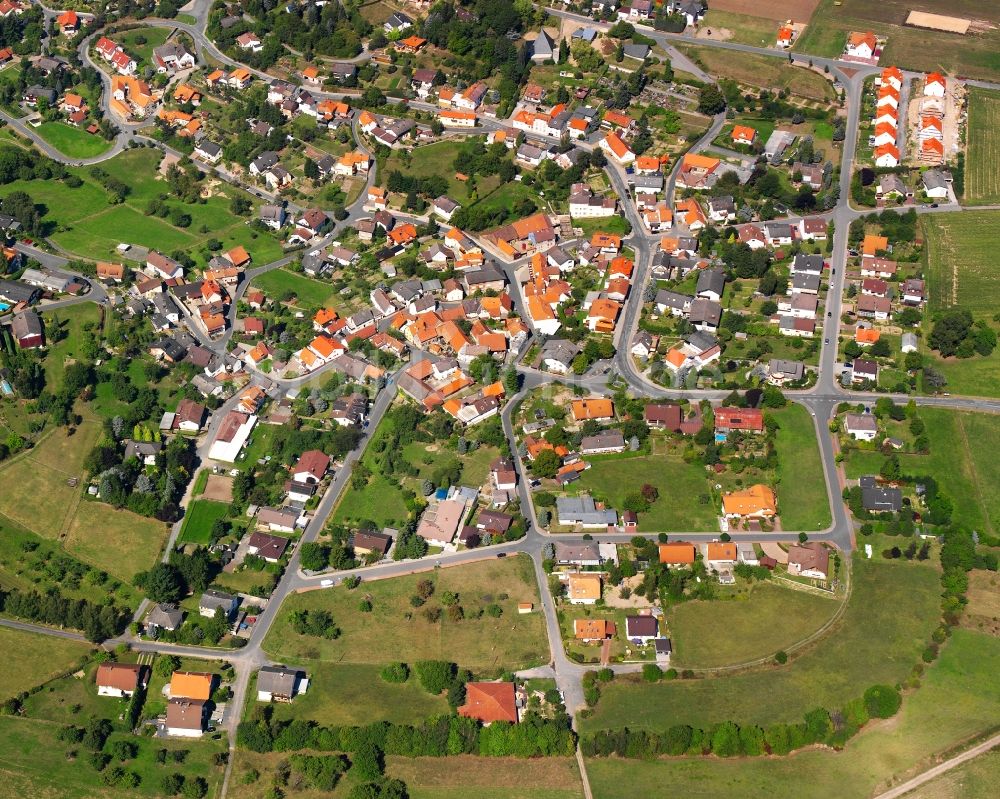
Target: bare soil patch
[(778, 10), (219, 487)]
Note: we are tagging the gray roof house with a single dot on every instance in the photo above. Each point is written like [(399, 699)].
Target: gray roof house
[(558, 354), (583, 510), (212, 600), (165, 616), (608, 441), (711, 283), (586, 554), (543, 48), (279, 684)]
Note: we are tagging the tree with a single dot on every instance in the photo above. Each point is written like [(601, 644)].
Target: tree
[(882, 701), (162, 583), (314, 557), (435, 675), (949, 331), (890, 468), (395, 673), (711, 100), (546, 464)]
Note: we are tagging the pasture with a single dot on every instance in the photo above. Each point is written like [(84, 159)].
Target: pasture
[(982, 162), (31, 659)]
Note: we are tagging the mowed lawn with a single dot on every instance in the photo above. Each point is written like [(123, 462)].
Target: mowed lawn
[(73, 142), (962, 459), (770, 618), (386, 634), (975, 55), (891, 613), (800, 484), (982, 162), (430, 160), (342, 695), (960, 254), (31, 659), (117, 541), (308, 293), (952, 705), (71, 320), (199, 518)]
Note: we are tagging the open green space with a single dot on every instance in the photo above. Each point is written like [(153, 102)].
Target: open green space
[(341, 695), (958, 262), (975, 54), (429, 160), (948, 708), (198, 520), (982, 162), (889, 618), (308, 293), (759, 623), (86, 222), (73, 142), (962, 458), (800, 484), (140, 42), (71, 321), (758, 31), (32, 658), (395, 630), (762, 71)]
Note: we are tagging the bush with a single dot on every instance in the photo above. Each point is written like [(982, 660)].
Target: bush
[(395, 673), (882, 701), (781, 657), (435, 675), (651, 672)]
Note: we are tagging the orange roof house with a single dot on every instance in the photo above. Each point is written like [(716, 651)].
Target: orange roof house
[(584, 588), (310, 73), (238, 256), (785, 35), (873, 244), (403, 234), (931, 148), (744, 134), (757, 501), (606, 241), (489, 702), (855, 40), (617, 118), (679, 554), (593, 629), (866, 335), (593, 408), (191, 685), (411, 44), (725, 550)]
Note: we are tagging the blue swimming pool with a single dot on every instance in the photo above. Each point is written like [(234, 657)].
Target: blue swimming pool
[(5, 387), (4, 307)]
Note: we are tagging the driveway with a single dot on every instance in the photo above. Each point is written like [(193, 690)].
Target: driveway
[(772, 550)]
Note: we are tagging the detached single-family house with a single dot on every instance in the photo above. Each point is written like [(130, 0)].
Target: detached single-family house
[(280, 684), (811, 559), (641, 629), (120, 679), (213, 600)]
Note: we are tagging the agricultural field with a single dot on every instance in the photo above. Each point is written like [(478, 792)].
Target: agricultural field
[(958, 256), (947, 709), (741, 27), (759, 623), (774, 10), (30, 659), (762, 71), (976, 54), (394, 630), (873, 642), (128, 543), (73, 142), (962, 459), (982, 162)]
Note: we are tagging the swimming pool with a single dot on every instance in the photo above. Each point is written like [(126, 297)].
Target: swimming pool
[(4, 307)]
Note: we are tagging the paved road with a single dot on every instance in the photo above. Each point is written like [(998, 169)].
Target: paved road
[(39, 628)]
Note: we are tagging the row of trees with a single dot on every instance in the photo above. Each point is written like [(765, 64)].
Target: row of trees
[(729, 739), (97, 622)]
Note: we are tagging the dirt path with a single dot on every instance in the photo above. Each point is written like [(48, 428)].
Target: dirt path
[(940, 769)]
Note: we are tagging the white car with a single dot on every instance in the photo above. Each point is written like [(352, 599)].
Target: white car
[(326, 583)]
